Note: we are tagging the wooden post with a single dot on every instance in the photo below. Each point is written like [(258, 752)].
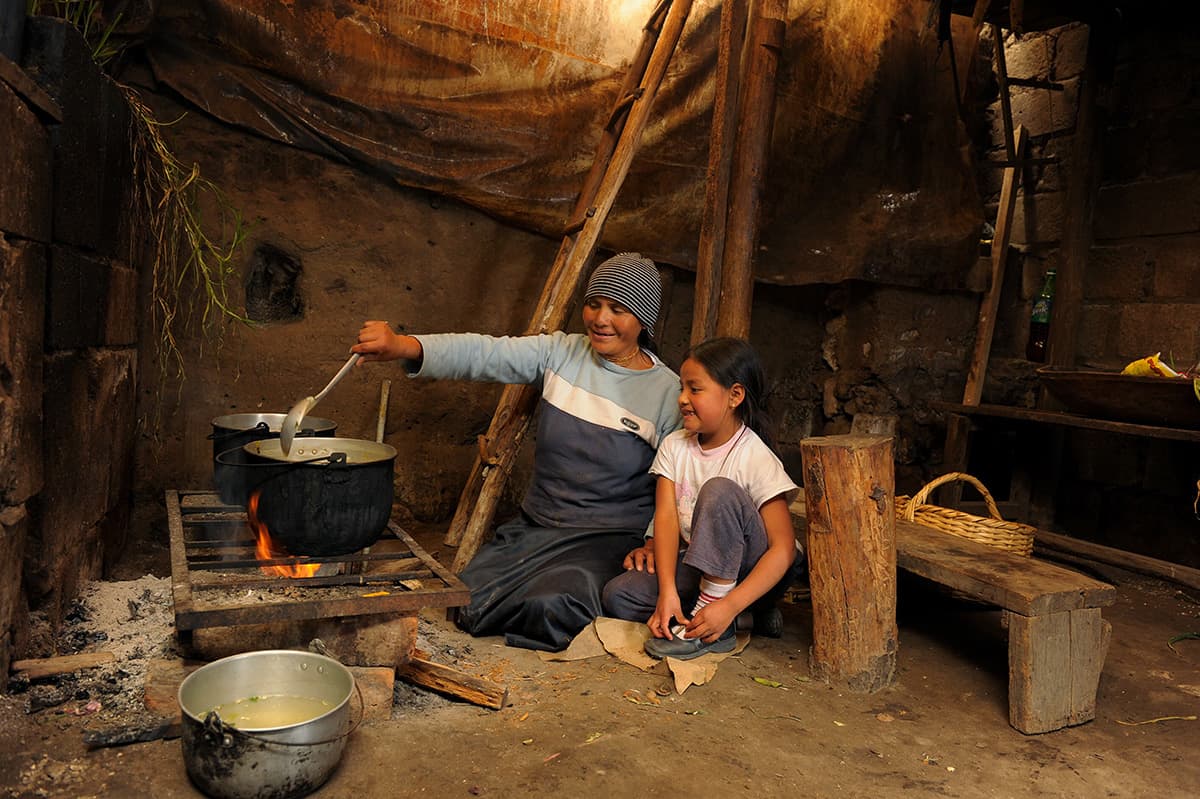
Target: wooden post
[(755, 121), (849, 486), (1054, 665), (711, 249), (516, 404)]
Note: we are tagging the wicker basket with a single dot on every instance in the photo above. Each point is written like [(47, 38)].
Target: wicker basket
[(995, 532)]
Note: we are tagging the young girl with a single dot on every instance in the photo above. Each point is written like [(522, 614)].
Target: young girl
[(723, 536)]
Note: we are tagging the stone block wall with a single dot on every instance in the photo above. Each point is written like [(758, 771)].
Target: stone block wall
[(68, 333), (1141, 285)]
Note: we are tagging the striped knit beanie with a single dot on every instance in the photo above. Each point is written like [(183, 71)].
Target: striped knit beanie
[(631, 280)]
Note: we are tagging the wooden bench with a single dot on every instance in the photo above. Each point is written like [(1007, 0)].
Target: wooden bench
[(1056, 639)]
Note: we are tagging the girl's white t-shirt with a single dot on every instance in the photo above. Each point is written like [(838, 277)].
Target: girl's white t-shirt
[(744, 458)]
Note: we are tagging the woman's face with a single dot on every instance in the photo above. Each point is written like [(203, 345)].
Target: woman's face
[(611, 327)]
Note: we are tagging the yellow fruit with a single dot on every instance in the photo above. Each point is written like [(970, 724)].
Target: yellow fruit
[(1150, 366)]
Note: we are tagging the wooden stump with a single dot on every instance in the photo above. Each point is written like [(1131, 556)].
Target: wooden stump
[(849, 483)]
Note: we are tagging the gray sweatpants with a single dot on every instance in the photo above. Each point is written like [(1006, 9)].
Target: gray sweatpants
[(728, 538)]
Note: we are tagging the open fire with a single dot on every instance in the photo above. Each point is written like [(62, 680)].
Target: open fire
[(266, 549)]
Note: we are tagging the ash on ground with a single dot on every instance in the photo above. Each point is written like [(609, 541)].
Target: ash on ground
[(131, 619)]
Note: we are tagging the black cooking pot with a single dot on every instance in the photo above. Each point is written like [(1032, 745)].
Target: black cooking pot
[(328, 496), (232, 480)]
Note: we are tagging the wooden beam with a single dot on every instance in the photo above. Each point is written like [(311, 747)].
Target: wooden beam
[(1049, 543), (1005, 101), (711, 249), (511, 421), (455, 683), (756, 117), (986, 327)]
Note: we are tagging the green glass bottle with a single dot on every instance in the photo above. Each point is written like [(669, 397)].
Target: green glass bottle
[(1039, 321)]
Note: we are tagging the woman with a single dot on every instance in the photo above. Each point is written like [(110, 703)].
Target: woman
[(607, 401)]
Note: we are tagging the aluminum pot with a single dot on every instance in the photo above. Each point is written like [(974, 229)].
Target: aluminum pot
[(264, 762), (231, 433), (328, 496)]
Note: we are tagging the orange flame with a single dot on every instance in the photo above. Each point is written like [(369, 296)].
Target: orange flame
[(266, 549)]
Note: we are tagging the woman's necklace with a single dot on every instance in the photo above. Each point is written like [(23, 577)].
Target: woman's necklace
[(624, 359)]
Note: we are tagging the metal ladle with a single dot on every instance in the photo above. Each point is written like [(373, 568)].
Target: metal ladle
[(291, 422)]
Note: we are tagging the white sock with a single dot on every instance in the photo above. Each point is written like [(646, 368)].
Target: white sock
[(709, 592)]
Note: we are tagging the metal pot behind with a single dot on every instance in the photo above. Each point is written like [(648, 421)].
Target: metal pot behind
[(328, 496), (232, 432), (274, 763)]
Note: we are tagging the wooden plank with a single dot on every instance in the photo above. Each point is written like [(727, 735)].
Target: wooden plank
[(989, 308), (1010, 144), (756, 117), (39, 668), (1054, 665), (29, 91), (1039, 671), (849, 491), (1024, 585), (455, 683), (1067, 420), (711, 248), (1184, 575)]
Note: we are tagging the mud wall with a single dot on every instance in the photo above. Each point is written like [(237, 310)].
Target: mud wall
[(68, 330)]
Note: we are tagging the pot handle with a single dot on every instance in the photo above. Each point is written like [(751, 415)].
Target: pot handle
[(333, 459), (261, 427)]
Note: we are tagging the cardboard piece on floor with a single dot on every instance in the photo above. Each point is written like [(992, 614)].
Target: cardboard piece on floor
[(698, 671), (583, 646), (626, 640)]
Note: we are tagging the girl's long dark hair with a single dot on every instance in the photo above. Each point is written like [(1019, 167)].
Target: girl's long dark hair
[(732, 360)]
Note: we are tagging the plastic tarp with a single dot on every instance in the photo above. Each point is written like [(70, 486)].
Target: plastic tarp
[(501, 103)]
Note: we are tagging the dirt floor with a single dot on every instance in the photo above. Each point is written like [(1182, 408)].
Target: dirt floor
[(762, 727)]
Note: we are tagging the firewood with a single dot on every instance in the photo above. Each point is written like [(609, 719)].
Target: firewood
[(39, 668), (455, 683)]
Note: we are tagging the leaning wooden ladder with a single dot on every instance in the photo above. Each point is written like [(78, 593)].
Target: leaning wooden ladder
[(499, 448)]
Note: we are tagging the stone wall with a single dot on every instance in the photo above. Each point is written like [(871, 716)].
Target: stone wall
[(1141, 286), (68, 332)]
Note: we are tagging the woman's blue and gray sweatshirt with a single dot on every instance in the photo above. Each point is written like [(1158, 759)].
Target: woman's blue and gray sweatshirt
[(598, 428)]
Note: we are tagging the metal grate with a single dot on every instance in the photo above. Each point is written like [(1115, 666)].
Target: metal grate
[(217, 582)]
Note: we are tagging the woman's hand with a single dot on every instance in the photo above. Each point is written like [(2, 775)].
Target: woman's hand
[(666, 612), (377, 342), (711, 620), (641, 558)]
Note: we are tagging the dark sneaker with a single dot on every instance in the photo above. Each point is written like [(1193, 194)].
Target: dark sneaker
[(688, 648), (768, 622)]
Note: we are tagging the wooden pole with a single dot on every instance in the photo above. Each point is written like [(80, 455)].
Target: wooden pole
[(849, 486), (512, 417), (756, 115), (711, 248), (517, 402), (1049, 544), (954, 457)]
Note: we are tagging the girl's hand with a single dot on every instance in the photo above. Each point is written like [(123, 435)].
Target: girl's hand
[(711, 620), (666, 613)]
